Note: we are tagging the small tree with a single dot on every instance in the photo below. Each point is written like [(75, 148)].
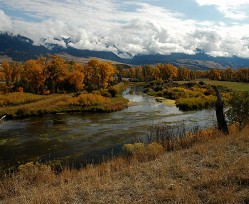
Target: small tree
[(238, 111)]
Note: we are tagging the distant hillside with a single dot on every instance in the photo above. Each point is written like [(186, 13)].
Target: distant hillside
[(197, 61), (20, 48)]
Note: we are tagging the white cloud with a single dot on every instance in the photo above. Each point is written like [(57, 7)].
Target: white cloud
[(229, 8), (6, 23), (109, 25)]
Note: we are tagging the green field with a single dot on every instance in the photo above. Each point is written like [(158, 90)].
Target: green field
[(236, 86)]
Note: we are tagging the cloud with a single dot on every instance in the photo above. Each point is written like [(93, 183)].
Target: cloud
[(6, 23), (229, 8), (126, 28)]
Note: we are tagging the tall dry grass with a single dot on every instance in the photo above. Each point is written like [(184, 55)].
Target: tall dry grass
[(18, 98), (213, 170), (24, 104)]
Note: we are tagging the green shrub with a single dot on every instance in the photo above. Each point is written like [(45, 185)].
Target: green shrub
[(195, 103), (239, 108)]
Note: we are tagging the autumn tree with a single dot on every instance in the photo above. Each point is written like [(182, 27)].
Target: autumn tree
[(106, 72), (214, 74), (168, 71), (149, 73), (139, 73), (33, 77), (132, 73), (193, 75), (183, 73), (2, 76), (7, 72), (93, 77), (99, 74), (242, 75), (74, 81), (56, 72), (228, 74), (12, 73)]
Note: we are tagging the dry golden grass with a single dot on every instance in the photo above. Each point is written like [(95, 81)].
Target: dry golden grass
[(17, 98), (215, 170), (25, 104)]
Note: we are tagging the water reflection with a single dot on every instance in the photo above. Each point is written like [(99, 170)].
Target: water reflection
[(82, 136)]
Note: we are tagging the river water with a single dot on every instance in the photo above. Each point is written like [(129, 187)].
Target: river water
[(82, 137)]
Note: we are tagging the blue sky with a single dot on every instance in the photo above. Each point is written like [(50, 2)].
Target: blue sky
[(127, 28)]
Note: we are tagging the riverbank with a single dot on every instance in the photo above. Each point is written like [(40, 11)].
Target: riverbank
[(188, 96), (213, 170), (235, 86), (18, 105)]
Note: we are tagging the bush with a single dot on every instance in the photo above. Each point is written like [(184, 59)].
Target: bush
[(134, 149), (143, 151), (155, 149), (239, 108), (32, 173), (195, 103)]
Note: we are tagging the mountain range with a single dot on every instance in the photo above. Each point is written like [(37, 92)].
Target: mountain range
[(20, 48)]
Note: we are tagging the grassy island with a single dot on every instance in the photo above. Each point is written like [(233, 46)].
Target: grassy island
[(16, 105), (52, 85)]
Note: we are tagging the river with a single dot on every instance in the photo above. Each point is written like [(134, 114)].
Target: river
[(84, 137)]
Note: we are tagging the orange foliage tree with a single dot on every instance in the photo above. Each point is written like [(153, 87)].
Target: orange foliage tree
[(52, 74), (33, 77), (183, 73), (168, 71), (12, 73), (99, 73)]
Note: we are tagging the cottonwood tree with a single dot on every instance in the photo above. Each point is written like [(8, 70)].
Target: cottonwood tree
[(183, 73), (33, 77), (168, 71), (12, 73), (56, 72)]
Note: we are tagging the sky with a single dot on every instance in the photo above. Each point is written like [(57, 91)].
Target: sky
[(128, 28)]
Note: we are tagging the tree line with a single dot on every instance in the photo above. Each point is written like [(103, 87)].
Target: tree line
[(239, 75), (171, 72), (52, 74)]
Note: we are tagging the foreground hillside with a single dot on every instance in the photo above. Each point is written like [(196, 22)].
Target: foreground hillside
[(215, 171)]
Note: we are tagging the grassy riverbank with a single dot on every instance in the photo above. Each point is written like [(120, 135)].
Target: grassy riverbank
[(235, 86), (16, 104), (193, 95), (187, 96), (213, 169)]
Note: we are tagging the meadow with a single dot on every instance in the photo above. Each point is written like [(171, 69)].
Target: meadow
[(235, 86)]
